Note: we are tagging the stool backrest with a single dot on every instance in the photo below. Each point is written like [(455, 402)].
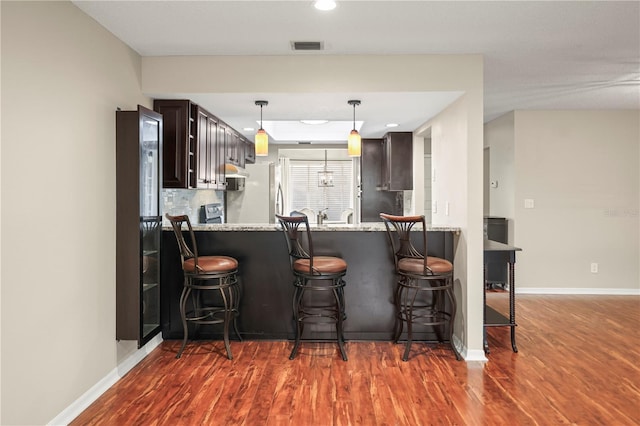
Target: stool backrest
[(185, 252), (400, 240), (295, 236)]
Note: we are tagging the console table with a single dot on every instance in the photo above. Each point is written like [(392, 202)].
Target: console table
[(495, 252)]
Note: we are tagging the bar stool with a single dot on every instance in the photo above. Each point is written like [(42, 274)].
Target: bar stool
[(313, 276), (424, 283), (211, 282)]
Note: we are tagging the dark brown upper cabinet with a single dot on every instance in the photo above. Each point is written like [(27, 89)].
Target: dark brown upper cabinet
[(397, 161), (373, 200), (210, 151), (179, 143), (249, 152), (197, 144), (234, 148)]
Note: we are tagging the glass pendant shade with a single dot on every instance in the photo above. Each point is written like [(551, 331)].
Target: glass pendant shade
[(262, 143), (262, 139), (354, 145)]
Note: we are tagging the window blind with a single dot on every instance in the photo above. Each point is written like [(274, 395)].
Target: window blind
[(304, 191)]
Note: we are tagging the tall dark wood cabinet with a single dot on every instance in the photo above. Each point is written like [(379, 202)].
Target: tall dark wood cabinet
[(138, 224), (179, 169), (373, 200), (397, 161)]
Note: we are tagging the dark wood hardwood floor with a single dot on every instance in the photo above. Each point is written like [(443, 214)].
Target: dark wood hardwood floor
[(578, 364)]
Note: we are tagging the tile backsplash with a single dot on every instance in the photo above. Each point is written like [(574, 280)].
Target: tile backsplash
[(188, 201)]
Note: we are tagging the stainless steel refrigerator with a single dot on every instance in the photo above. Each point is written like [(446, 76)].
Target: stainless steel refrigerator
[(259, 200)]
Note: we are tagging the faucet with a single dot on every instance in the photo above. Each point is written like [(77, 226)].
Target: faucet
[(322, 216)]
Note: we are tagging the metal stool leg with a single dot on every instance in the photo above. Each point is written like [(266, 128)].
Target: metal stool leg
[(227, 316), (438, 308), (454, 308), (408, 311), (297, 298), (183, 316), (337, 292), (399, 324), (235, 294)]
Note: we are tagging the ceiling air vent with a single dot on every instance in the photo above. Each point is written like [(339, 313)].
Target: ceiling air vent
[(307, 45)]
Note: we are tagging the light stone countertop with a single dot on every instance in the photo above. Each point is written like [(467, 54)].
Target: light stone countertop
[(367, 227)]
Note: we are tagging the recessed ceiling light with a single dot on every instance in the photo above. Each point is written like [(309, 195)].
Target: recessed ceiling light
[(392, 125), (314, 122), (325, 4), (248, 129)]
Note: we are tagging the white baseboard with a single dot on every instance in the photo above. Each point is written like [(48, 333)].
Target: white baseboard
[(576, 291), (468, 355), (90, 396), (475, 355)]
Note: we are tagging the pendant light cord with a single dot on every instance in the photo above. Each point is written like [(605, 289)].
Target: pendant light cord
[(354, 116)]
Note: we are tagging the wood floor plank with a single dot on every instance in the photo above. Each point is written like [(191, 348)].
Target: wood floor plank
[(578, 364)]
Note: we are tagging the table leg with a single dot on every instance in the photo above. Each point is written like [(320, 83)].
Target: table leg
[(512, 305), (484, 312)]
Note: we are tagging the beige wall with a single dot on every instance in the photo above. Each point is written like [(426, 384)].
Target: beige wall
[(63, 76), (581, 170), (456, 162), (499, 133)]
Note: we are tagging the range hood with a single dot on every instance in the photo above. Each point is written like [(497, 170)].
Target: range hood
[(233, 171)]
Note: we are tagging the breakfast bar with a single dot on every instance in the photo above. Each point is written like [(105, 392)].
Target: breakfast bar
[(266, 279)]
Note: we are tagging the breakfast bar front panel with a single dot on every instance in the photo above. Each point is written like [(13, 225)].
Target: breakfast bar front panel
[(267, 281)]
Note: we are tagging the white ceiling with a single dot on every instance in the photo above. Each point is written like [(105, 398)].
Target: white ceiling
[(537, 55)]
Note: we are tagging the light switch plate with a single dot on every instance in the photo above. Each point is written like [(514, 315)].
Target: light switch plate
[(528, 203)]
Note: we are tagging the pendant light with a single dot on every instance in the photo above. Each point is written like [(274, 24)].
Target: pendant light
[(262, 139), (325, 177), (354, 140)]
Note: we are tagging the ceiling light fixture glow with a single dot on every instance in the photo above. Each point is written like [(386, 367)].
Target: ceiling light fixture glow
[(325, 4), (392, 125), (314, 122)]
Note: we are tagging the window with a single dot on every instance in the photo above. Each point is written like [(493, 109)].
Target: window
[(304, 191)]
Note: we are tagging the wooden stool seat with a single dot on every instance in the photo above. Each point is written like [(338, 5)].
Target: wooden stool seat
[(211, 264), (321, 265)]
